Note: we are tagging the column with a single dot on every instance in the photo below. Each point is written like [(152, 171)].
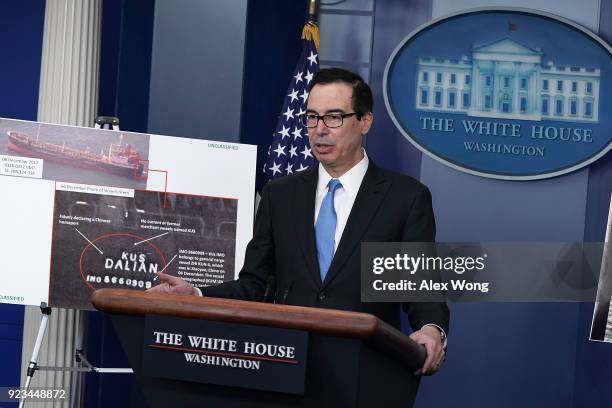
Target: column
[(516, 107), (495, 85), (534, 90), (595, 93), (475, 104), (68, 94), (531, 95)]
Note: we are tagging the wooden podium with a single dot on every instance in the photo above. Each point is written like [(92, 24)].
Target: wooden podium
[(354, 359)]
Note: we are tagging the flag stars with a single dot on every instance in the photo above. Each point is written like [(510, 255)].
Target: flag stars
[(306, 152), (293, 95), (280, 150), (288, 114), (304, 95), (284, 132), (293, 151), (294, 154), (297, 133), (312, 58), (308, 76), (275, 169)]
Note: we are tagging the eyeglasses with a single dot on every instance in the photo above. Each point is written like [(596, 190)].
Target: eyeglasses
[(331, 120)]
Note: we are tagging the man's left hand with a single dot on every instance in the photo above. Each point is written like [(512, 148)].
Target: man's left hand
[(429, 336)]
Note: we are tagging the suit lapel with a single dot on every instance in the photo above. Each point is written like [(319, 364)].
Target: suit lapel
[(370, 195), (306, 191)]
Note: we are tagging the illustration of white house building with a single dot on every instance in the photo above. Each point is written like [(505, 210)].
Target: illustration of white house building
[(505, 79)]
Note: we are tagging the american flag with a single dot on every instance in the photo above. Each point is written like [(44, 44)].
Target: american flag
[(290, 151)]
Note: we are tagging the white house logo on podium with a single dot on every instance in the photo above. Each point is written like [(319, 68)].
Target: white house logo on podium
[(520, 95)]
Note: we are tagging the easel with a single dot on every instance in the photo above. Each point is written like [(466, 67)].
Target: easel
[(102, 122)]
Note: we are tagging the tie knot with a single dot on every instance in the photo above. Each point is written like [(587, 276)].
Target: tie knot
[(333, 185)]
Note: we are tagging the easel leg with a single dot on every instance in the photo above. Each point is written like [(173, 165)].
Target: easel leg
[(33, 366)]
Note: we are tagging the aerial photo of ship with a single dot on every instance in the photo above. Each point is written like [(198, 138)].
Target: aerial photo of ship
[(120, 159)]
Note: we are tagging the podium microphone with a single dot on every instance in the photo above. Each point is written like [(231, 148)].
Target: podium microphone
[(269, 293), (286, 293)]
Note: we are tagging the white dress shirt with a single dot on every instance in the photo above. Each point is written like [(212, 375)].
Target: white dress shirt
[(344, 198)]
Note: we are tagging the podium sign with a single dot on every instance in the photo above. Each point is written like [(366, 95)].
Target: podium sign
[(238, 355)]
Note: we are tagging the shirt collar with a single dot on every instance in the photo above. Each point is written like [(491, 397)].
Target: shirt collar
[(351, 180)]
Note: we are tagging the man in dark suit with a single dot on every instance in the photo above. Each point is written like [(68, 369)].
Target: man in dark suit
[(309, 225)]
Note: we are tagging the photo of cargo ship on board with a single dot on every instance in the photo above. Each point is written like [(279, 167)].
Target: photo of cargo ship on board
[(76, 154), (121, 160)]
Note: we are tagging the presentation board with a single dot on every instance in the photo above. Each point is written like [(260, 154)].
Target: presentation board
[(91, 208), (601, 326)]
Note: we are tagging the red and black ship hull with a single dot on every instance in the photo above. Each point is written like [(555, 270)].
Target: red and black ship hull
[(26, 147)]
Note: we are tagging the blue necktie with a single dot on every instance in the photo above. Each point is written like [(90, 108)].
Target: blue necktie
[(325, 228)]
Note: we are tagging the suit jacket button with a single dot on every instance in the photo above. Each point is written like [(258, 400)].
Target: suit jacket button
[(322, 296)]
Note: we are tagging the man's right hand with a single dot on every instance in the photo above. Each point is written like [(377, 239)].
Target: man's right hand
[(172, 284)]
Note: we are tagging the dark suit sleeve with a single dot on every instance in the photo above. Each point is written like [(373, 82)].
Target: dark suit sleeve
[(420, 226), (258, 260)]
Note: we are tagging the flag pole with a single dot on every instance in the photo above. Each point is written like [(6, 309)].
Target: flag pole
[(312, 11)]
